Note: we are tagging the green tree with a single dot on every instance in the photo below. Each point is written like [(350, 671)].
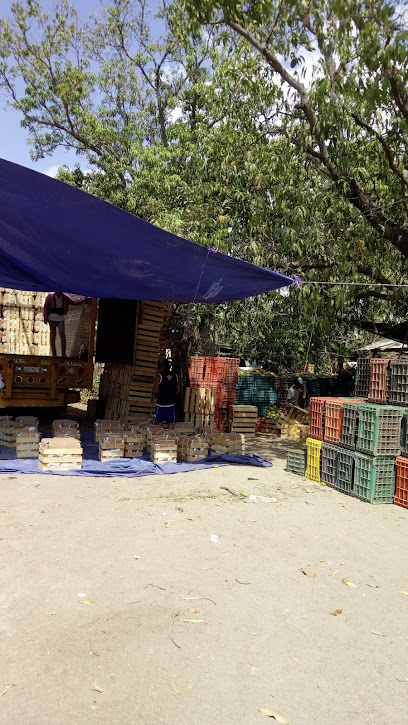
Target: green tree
[(192, 133)]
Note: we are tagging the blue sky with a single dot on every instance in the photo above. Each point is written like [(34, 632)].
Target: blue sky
[(13, 138)]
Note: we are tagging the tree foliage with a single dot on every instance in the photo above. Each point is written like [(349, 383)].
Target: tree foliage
[(220, 130)]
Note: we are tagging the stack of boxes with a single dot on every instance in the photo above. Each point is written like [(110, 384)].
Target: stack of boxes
[(22, 328), (360, 443), (218, 378), (129, 388)]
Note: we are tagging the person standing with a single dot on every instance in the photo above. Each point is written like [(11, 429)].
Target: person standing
[(166, 389), (293, 395), (55, 309)]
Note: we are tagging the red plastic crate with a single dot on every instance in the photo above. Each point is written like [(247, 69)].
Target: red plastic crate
[(378, 381), (196, 370), (333, 420), (401, 485), (316, 417)]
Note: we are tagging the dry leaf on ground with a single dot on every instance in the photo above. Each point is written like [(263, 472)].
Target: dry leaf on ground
[(349, 583), (308, 572), (86, 601), (174, 688), (7, 687), (336, 612), (194, 621), (405, 593), (97, 687), (193, 610), (279, 718), (380, 634)]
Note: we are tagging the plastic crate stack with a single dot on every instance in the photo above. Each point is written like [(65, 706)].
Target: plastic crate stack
[(378, 446), (219, 374), (258, 390), (363, 375), (379, 381)]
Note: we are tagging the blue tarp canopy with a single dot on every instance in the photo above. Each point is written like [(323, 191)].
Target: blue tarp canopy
[(56, 237)]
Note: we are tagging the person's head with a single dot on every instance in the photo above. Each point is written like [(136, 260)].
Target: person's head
[(298, 383), (58, 294), (163, 365)]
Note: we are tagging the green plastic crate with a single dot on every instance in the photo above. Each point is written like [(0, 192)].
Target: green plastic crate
[(344, 471), (296, 461), (374, 478), (379, 430)]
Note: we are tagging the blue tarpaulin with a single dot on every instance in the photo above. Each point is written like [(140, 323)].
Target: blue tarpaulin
[(56, 237), (121, 467)]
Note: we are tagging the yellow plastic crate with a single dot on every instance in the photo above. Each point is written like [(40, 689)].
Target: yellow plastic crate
[(313, 459)]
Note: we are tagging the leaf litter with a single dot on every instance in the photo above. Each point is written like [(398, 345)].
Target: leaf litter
[(279, 718)]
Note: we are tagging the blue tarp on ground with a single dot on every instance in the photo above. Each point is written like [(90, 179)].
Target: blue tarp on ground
[(56, 237), (127, 467)]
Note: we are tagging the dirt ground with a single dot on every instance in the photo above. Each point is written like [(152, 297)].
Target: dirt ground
[(176, 630)]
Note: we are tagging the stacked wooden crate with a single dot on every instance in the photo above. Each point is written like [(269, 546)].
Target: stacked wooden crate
[(105, 427), (217, 377), (134, 443), (61, 454), (22, 328), (243, 419), (65, 427), (163, 449), (199, 406), (231, 443), (111, 447), (130, 387), (192, 448), (9, 430), (27, 443)]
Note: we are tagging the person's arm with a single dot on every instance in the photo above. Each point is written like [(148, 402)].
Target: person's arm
[(47, 307), (156, 385), (75, 303)]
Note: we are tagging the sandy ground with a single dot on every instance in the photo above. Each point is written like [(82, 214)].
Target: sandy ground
[(248, 629)]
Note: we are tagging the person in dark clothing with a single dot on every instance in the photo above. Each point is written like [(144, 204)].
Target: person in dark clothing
[(166, 388), (345, 383)]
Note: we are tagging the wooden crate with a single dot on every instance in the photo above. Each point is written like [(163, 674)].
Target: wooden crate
[(27, 444), (192, 448), (299, 414), (134, 443), (8, 432), (163, 450), (243, 419), (106, 427), (28, 421), (65, 427), (184, 428), (232, 443), (60, 454), (111, 447), (293, 430)]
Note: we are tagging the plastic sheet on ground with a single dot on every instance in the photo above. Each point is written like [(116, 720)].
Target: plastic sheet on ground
[(127, 467)]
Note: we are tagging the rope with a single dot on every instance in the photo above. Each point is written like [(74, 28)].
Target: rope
[(210, 250)]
